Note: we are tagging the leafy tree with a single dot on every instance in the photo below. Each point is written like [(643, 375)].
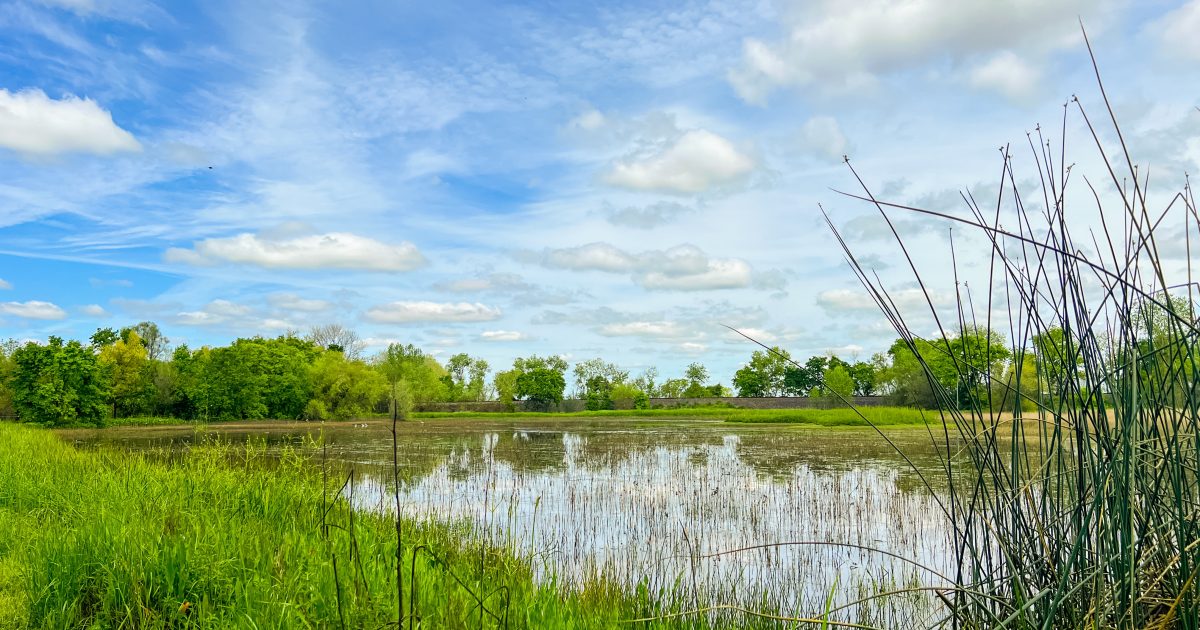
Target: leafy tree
[(343, 389), (598, 393), (673, 388), (104, 337), (6, 374), (407, 368), (60, 384), (127, 365), (838, 383), (151, 337), (505, 384), (586, 371), (764, 375), (629, 396), (646, 381), (542, 387), (864, 376), (1056, 361), (466, 378)]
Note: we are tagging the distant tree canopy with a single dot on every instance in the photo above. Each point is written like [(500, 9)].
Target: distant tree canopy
[(132, 371)]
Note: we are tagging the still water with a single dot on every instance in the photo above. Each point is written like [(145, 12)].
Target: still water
[(694, 510)]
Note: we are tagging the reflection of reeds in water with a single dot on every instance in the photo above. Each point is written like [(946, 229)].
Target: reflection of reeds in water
[(1086, 513), (661, 520)]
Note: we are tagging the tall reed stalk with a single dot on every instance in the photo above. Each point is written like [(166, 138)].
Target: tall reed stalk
[(1084, 512)]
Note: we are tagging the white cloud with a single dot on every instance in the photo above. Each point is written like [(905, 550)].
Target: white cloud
[(842, 46), (94, 310), (34, 124), (680, 268), (335, 250), (502, 335), (293, 302), (1007, 74), (33, 309), (860, 300), (654, 330), (409, 311), (698, 161), (719, 274), (1177, 31), (651, 216), (5, 284), (822, 135), (218, 312)]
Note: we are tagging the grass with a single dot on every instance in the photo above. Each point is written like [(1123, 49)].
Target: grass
[(223, 537)]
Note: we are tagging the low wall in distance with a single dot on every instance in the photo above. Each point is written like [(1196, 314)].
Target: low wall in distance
[(769, 402)]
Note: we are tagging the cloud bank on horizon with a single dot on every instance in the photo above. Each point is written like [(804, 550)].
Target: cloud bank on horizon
[(620, 181)]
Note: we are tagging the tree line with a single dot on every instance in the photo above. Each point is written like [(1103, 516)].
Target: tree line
[(134, 371)]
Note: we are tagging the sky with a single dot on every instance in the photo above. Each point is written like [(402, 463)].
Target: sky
[(619, 180)]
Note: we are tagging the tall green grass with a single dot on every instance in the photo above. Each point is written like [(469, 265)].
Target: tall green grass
[(1086, 513)]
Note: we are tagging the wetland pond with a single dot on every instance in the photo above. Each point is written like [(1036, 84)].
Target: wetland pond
[(668, 507)]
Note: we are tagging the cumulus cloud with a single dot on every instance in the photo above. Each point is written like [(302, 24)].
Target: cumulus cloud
[(4, 284), (841, 300), (404, 312), (696, 162), (34, 124), (649, 329), (293, 302), (680, 268), (1007, 74), (335, 250), (840, 46), (502, 335), (33, 309), (94, 310), (1177, 31), (823, 136)]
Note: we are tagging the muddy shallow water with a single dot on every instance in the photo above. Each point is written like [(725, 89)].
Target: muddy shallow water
[(664, 505)]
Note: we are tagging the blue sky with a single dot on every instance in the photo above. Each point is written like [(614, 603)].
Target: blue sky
[(615, 180)]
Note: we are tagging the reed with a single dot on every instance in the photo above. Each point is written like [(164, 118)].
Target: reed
[(1084, 512)]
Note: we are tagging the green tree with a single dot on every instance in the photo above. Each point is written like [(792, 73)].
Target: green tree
[(629, 396), (838, 384), (541, 388), (505, 384), (408, 370), (152, 339), (127, 366), (764, 375), (60, 384), (586, 371), (466, 378), (343, 389), (598, 394)]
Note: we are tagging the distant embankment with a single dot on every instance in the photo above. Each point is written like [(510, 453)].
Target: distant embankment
[(768, 402)]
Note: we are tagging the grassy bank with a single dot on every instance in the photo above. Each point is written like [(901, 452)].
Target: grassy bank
[(228, 538), (883, 416)]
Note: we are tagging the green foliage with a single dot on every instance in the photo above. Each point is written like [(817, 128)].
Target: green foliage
[(629, 396), (409, 367), (343, 389), (541, 387), (127, 368), (838, 384), (59, 384), (764, 375), (247, 380), (466, 378)]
